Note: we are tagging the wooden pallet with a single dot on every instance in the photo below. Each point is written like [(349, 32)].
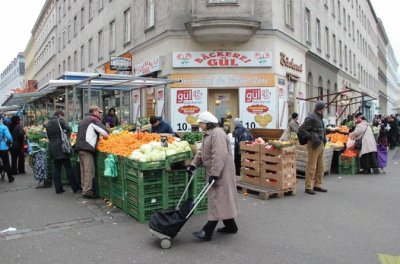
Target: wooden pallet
[(262, 193)]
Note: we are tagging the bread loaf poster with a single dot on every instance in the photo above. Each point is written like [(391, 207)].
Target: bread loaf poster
[(258, 107), (186, 105)]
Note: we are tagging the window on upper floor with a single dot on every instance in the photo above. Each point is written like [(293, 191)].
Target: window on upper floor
[(318, 34), (127, 26), (289, 13), (307, 24), (91, 10), (112, 36), (334, 47), (340, 54), (82, 17), (150, 13), (339, 14), (100, 5), (75, 60), (345, 57), (222, 2), (69, 63), (64, 8), (344, 19), (59, 44), (90, 52), (82, 58), (64, 39), (327, 45), (75, 26), (333, 7), (326, 3), (100, 47), (69, 32), (348, 24), (59, 14)]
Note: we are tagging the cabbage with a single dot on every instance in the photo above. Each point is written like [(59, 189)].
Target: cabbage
[(171, 152), (146, 148)]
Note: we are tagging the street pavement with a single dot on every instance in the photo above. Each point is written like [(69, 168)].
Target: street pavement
[(351, 224)]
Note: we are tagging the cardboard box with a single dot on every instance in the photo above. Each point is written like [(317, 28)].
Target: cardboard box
[(254, 156), (278, 184), (250, 171), (268, 149), (279, 168), (249, 146), (251, 164), (254, 180), (284, 159)]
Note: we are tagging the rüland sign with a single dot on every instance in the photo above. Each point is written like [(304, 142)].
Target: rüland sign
[(289, 63)]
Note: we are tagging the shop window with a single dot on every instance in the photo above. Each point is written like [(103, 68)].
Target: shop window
[(150, 102)]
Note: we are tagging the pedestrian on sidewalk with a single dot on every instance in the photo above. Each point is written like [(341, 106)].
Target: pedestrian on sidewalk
[(216, 157), (5, 141), (59, 157), (293, 127), (368, 152), (314, 130), (88, 136), (240, 133), (16, 150)]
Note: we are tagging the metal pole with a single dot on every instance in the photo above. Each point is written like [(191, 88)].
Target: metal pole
[(89, 94), (74, 113), (66, 104)]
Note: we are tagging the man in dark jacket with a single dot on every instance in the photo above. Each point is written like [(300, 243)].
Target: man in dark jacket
[(59, 157), (314, 129), (160, 126), (88, 135), (240, 133), (17, 155)]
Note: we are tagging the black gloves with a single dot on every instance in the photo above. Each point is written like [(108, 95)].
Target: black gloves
[(190, 169), (212, 178)]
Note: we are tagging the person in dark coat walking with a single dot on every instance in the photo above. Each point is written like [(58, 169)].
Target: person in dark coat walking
[(240, 133), (59, 157), (392, 133), (17, 155)]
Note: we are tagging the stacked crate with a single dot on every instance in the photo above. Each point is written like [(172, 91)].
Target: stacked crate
[(278, 168), (104, 182), (198, 183), (250, 162), (175, 186), (347, 165), (143, 192), (117, 191)]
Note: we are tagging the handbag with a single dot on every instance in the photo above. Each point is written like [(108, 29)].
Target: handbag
[(65, 142), (358, 142)]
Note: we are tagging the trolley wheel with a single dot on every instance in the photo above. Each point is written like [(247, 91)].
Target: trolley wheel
[(165, 243)]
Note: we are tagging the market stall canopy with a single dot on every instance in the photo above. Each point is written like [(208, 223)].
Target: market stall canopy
[(343, 98), (104, 82), (9, 108), (20, 99)]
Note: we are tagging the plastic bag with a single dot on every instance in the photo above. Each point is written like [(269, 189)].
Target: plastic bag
[(110, 166), (350, 143)]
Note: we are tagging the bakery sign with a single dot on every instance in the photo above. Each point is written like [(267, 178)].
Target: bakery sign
[(221, 59), (148, 66)]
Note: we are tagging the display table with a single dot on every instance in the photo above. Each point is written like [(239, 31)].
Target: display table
[(302, 158)]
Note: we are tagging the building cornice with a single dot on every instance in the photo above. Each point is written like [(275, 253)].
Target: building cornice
[(312, 56)]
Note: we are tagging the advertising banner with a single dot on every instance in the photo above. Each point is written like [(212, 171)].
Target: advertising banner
[(148, 66), (136, 104), (160, 101), (186, 105), (120, 64), (283, 113), (221, 59), (258, 107)]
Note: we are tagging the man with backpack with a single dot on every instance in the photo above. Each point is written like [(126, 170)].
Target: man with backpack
[(312, 133)]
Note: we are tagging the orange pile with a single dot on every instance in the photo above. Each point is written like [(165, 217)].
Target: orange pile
[(349, 153), (343, 129), (123, 143), (337, 137)]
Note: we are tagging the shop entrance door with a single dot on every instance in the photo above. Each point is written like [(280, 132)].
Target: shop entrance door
[(222, 102)]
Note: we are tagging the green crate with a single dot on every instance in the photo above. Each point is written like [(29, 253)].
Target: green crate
[(142, 166), (149, 200), (141, 215), (180, 157), (148, 176), (177, 177), (347, 166), (135, 187)]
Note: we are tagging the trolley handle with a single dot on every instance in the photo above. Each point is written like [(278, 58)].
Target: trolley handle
[(185, 191), (200, 197)]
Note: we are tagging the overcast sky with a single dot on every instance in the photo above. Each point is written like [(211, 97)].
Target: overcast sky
[(17, 18)]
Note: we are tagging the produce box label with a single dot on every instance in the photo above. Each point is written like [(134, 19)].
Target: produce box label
[(258, 107), (186, 105)]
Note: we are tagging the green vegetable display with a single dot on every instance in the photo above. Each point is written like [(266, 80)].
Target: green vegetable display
[(192, 137)]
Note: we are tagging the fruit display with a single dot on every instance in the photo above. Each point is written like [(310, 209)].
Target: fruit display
[(124, 142), (337, 137), (349, 153), (156, 151), (278, 144), (192, 137), (341, 129), (35, 133)]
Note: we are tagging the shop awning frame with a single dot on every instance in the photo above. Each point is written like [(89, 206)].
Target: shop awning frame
[(350, 100), (21, 99)]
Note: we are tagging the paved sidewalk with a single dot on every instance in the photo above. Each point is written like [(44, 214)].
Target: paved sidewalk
[(357, 219)]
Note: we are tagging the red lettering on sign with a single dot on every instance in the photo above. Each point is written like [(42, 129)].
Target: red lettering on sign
[(252, 94), (183, 95)]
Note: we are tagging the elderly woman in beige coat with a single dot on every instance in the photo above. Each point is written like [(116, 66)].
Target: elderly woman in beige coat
[(368, 150), (216, 157)]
